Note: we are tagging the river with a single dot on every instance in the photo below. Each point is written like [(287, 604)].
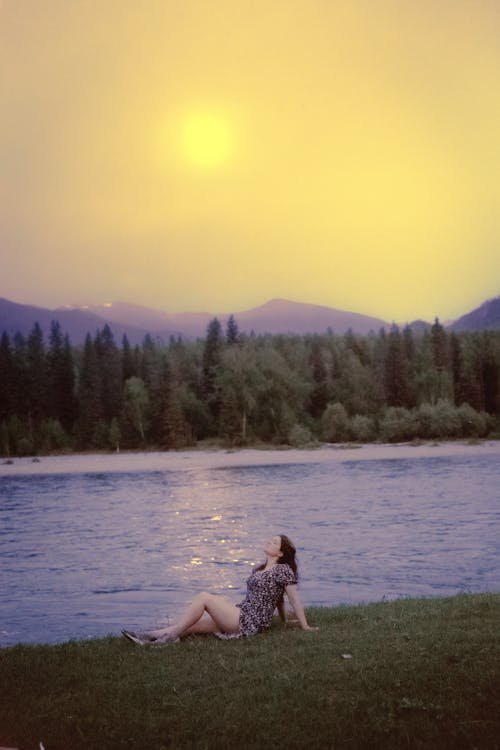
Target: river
[(90, 544)]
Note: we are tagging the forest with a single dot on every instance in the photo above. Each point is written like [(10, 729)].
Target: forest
[(236, 389)]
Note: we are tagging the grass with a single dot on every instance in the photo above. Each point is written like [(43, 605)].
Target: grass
[(424, 673)]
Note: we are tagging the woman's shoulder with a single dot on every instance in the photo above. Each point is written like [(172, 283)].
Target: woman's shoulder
[(285, 573)]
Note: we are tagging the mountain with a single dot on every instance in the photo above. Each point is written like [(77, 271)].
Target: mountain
[(418, 327), (282, 316), (156, 322), (17, 318), (484, 317), (275, 316)]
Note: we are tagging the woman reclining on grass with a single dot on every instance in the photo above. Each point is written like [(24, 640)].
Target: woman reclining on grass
[(210, 613)]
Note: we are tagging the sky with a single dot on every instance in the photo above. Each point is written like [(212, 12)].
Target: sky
[(212, 155)]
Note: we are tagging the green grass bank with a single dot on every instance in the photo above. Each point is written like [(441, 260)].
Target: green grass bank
[(423, 673)]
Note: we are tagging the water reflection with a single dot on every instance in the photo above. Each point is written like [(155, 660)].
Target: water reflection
[(83, 554)]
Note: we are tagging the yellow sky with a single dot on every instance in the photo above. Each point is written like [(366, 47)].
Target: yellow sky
[(213, 155)]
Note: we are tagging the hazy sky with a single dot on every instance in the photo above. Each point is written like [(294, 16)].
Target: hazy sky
[(192, 155)]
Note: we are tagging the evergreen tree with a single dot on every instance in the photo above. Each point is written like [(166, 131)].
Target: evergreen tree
[(211, 359), (428, 385), (439, 345), (61, 378), (441, 355), (129, 359), (36, 381), (457, 369), (176, 430), (469, 386), (232, 332), (490, 375), (7, 379), (110, 367), (320, 394), (159, 393), (148, 368), (20, 359), (396, 384), (89, 393)]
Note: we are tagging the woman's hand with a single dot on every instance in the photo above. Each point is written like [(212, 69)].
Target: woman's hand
[(293, 596)]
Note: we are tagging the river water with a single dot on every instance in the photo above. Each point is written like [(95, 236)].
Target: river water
[(87, 547)]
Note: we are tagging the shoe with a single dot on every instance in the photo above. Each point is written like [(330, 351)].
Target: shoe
[(167, 638), (133, 637)]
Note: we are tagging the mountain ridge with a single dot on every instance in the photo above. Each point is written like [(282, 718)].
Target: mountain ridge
[(484, 317), (277, 315)]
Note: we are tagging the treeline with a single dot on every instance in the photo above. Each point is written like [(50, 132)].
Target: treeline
[(243, 389)]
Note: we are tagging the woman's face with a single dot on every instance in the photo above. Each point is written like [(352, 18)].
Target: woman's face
[(273, 546)]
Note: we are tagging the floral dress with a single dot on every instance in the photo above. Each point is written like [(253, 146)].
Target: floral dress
[(265, 589)]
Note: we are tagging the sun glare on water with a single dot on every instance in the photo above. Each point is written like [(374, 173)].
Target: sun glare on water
[(206, 140)]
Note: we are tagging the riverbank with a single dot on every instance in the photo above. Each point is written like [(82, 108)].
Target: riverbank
[(209, 458), (421, 673)]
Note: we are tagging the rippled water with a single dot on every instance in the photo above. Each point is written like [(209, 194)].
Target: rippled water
[(83, 554)]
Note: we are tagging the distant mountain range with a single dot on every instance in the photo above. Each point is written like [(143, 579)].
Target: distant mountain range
[(275, 316), (484, 317)]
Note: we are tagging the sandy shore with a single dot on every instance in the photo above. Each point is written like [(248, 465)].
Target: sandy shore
[(210, 459)]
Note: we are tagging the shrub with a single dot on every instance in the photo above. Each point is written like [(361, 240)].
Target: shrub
[(53, 436), (398, 424), (473, 423), (439, 420), (299, 436), (100, 436), (362, 429), (335, 424)]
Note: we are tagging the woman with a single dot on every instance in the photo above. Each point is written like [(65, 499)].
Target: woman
[(210, 613)]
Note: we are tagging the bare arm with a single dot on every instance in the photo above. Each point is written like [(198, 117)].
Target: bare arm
[(293, 595)]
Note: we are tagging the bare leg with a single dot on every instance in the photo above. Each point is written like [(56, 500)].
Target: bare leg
[(207, 613), (204, 625)]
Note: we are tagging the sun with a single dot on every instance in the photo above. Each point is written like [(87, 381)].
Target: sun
[(206, 140)]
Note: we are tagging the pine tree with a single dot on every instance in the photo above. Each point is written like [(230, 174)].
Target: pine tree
[(129, 359), (441, 355), (148, 369), (232, 332), (397, 390), (36, 382), (89, 393), (159, 393), (110, 366), (320, 394), (457, 369), (211, 359), (175, 428), (490, 375), (439, 345), (7, 379), (20, 359), (61, 378)]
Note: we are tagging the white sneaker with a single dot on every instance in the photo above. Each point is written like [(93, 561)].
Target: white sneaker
[(133, 637)]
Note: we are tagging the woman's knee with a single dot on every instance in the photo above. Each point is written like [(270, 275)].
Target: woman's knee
[(203, 597)]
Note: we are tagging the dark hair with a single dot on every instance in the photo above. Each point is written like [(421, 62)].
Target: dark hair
[(289, 552), (287, 548)]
